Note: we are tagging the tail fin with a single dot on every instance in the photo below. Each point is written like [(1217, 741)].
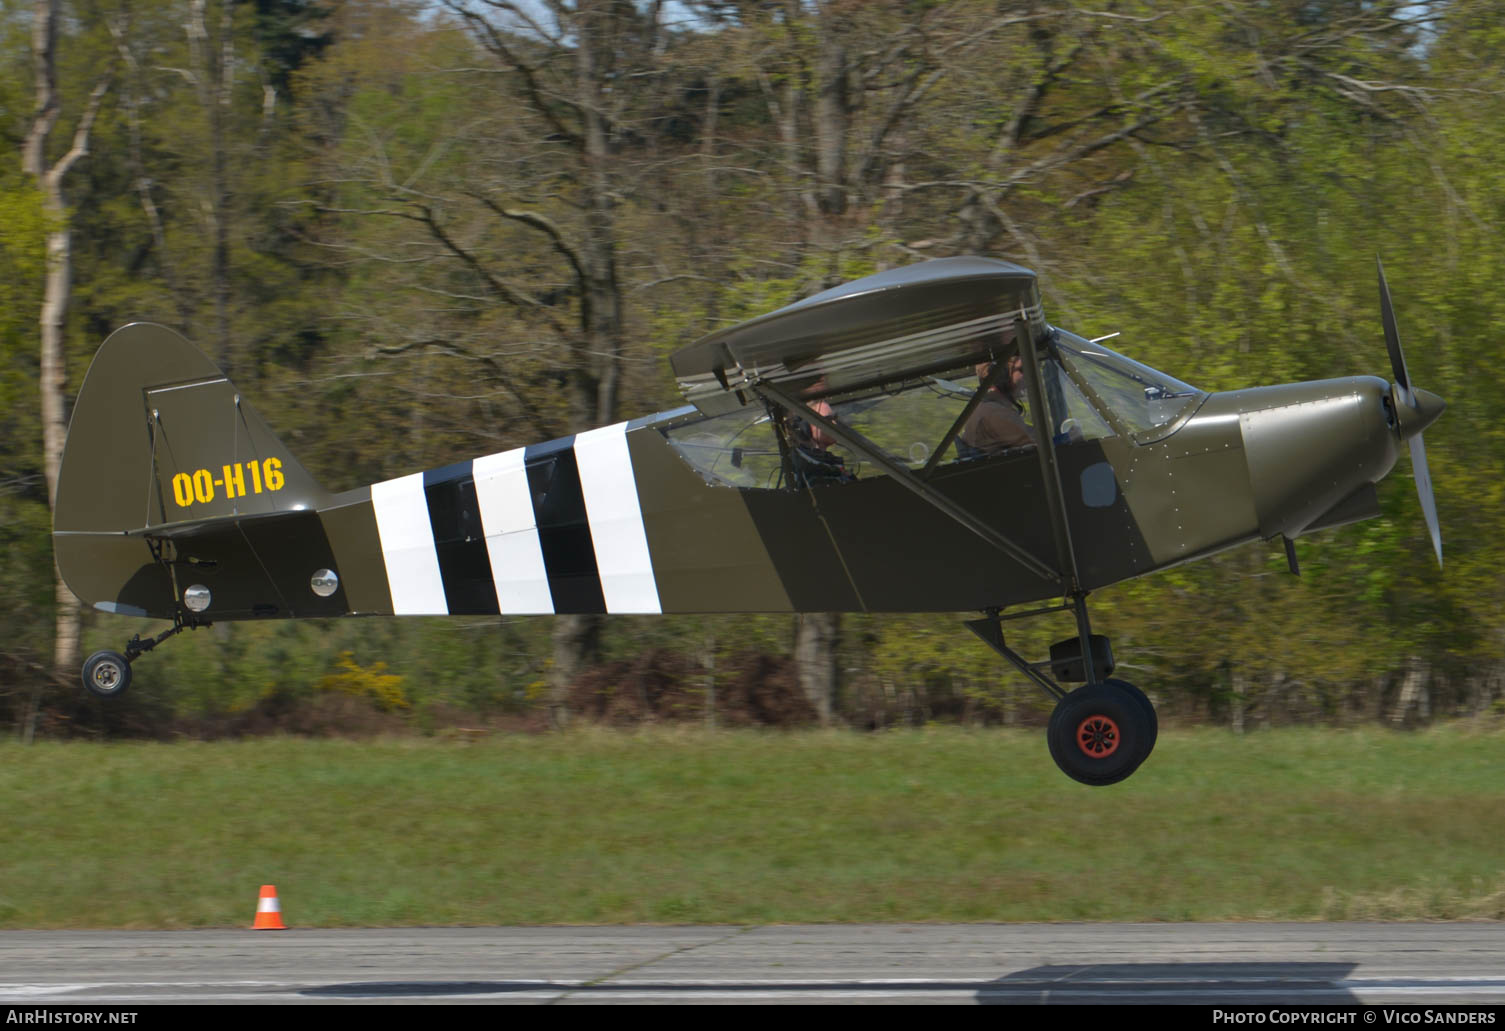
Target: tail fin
[(160, 437)]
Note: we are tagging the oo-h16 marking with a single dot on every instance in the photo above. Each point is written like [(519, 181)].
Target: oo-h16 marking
[(199, 487)]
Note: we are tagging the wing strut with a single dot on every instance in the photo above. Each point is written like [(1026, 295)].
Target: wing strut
[(1055, 495), (867, 449), (999, 368)]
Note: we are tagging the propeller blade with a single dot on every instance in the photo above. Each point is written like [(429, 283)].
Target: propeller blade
[(1424, 492), (1392, 336)]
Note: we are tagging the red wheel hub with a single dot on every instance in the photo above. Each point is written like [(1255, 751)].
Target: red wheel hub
[(1098, 736)]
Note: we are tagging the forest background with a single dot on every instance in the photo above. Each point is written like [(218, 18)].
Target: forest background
[(420, 231)]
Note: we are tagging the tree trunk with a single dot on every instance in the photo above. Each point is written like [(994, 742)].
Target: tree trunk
[(816, 637), (1413, 693), (818, 634), (54, 414), (598, 359), (577, 646), (1238, 692), (58, 290), (708, 666), (213, 64), (832, 115)]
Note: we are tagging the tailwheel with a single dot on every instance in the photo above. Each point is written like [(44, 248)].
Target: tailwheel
[(1100, 733), (107, 673)]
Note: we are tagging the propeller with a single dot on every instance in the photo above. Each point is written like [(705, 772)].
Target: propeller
[(1415, 410)]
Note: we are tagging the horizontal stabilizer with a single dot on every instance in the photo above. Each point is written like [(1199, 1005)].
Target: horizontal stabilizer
[(188, 529)]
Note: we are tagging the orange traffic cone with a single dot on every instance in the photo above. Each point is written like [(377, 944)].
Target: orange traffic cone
[(268, 911)]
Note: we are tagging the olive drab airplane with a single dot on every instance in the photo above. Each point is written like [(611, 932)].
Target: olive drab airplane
[(829, 459)]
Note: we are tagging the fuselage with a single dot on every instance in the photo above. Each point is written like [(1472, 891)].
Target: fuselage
[(618, 520)]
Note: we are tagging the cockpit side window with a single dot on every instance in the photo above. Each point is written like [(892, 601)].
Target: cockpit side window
[(764, 447), (738, 449), (907, 423)]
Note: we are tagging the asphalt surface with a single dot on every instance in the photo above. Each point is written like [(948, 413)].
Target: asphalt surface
[(1283, 964)]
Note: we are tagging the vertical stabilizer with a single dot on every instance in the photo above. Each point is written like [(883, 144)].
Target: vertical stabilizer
[(160, 438)]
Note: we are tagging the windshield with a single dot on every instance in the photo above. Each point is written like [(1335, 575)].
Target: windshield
[(1075, 418), (1139, 397)]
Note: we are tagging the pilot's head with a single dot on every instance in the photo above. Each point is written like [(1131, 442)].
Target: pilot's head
[(1012, 383)]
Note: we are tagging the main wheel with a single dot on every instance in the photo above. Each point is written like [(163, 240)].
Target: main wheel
[(107, 673), (1149, 711), (1100, 733)]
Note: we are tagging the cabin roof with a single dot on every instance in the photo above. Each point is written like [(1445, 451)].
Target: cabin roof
[(884, 328)]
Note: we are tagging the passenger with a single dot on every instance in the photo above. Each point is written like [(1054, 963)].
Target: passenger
[(997, 423)]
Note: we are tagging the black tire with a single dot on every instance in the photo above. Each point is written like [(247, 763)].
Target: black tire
[(1099, 734), (107, 674), (1149, 711)]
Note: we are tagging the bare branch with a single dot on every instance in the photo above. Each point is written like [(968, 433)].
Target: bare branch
[(502, 288), (494, 41), (1033, 100), (544, 225), (1069, 154), (493, 367), (682, 277)]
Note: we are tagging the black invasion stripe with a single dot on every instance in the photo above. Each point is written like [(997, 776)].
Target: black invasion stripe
[(564, 533), (460, 541)]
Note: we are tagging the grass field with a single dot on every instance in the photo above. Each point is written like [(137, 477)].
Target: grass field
[(694, 826)]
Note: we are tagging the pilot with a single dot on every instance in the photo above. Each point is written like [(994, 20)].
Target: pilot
[(814, 461), (997, 423), (818, 435)]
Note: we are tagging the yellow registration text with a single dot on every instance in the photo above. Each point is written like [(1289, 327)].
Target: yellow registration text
[(236, 481)]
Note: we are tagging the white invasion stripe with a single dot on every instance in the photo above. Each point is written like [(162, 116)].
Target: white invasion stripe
[(616, 520), (506, 503), (407, 546)]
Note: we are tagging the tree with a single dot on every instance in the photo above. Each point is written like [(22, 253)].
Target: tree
[(50, 173), (499, 217)]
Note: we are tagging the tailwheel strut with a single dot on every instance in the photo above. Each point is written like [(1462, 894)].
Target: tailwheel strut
[(108, 673)]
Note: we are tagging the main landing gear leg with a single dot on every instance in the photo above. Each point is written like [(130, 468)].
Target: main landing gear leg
[(108, 673), (1099, 733)]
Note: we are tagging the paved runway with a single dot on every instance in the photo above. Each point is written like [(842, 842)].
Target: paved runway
[(1285, 964)]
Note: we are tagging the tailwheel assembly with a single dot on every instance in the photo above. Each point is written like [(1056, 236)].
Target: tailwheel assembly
[(107, 673)]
